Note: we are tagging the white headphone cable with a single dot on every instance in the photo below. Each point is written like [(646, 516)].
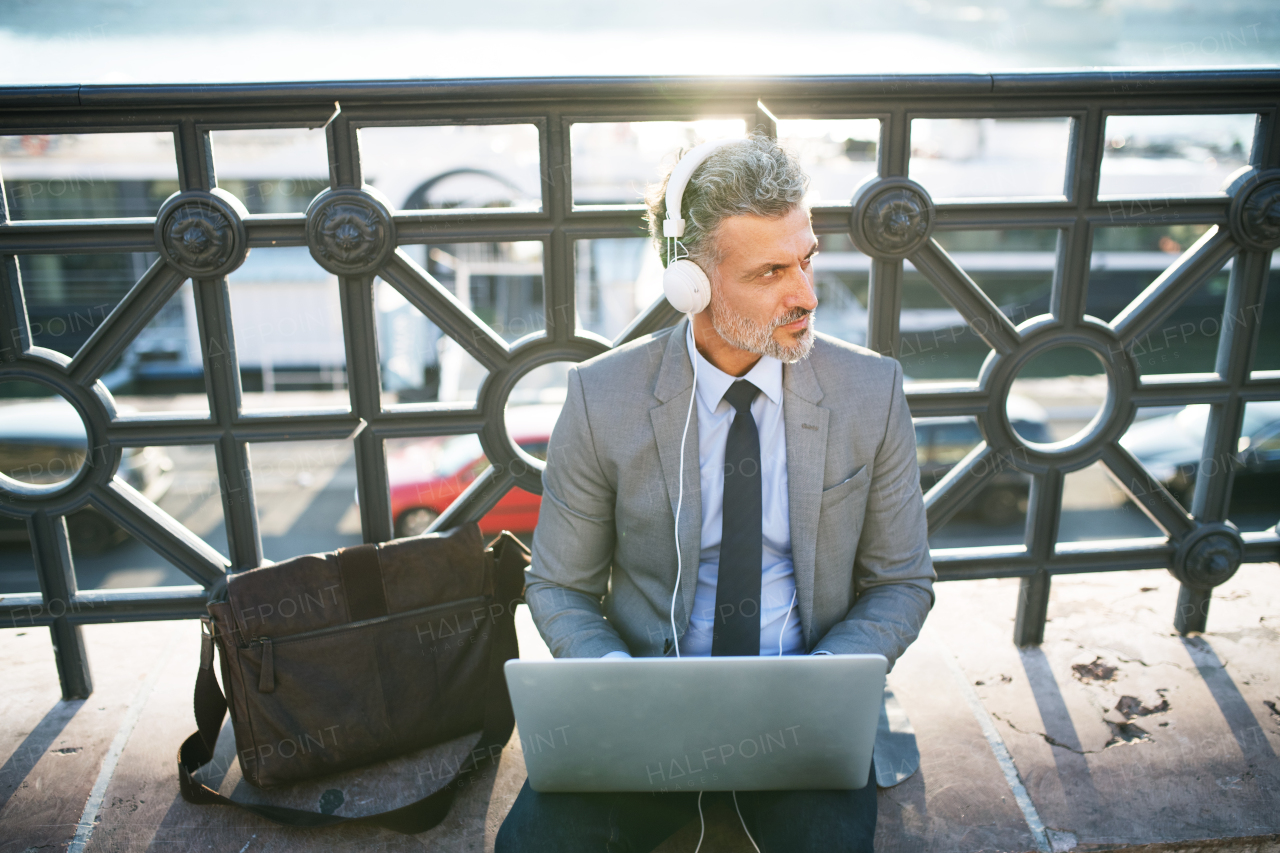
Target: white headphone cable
[(702, 824), (680, 500), (785, 619), (744, 823)]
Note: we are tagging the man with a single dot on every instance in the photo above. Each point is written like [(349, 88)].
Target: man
[(828, 552)]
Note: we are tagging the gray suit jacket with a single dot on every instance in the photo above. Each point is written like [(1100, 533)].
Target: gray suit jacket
[(604, 557)]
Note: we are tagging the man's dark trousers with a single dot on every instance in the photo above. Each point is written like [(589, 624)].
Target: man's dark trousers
[(791, 821)]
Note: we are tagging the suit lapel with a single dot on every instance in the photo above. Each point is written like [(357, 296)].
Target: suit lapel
[(806, 426), (806, 430), (674, 385)]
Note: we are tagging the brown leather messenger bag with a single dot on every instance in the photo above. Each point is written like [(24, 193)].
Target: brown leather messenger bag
[(338, 660)]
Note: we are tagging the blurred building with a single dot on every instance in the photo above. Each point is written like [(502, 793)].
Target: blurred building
[(286, 312)]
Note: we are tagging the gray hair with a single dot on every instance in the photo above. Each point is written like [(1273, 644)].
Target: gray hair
[(755, 176)]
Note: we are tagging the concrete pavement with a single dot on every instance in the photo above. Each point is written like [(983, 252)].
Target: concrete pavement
[(1119, 735)]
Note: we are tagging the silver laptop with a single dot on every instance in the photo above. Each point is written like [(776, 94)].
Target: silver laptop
[(697, 723)]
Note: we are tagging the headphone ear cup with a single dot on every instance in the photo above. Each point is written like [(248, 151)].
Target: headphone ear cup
[(686, 286)]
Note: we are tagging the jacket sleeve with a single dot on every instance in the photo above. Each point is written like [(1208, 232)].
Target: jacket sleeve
[(893, 573), (574, 540)]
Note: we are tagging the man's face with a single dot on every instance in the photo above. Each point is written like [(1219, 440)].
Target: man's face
[(762, 295)]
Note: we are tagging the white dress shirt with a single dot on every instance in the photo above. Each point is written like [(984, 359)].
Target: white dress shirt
[(777, 584)]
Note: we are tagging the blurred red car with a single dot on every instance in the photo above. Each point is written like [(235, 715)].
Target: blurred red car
[(427, 475)]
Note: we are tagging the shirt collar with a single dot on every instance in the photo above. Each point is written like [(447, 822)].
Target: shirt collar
[(714, 382)]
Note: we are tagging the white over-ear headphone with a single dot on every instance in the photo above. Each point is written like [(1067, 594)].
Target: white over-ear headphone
[(685, 284)]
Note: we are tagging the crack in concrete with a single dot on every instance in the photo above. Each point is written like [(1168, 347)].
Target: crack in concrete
[(1123, 734), (1142, 662), (1052, 741)]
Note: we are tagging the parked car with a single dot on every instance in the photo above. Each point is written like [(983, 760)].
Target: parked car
[(34, 435), (428, 475), (942, 442), (1170, 447)]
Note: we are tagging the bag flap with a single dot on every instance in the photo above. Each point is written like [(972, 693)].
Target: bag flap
[(290, 597), (425, 570), (316, 591)]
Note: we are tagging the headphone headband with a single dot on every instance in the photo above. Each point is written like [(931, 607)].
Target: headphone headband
[(673, 225)]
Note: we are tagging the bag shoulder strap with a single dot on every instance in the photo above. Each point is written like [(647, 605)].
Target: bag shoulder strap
[(510, 558)]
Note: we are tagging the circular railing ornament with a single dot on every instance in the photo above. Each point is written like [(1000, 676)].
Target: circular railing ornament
[(1254, 215), (495, 394), (201, 233), (94, 409), (1208, 556), (891, 218), (349, 231), (1044, 334)]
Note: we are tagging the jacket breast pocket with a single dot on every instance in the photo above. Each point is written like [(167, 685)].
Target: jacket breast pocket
[(859, 481)]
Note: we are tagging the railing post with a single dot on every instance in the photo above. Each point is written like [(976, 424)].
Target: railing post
[(1193, 609), (1043, 518), (1069, 291), (49, 546), (52, 554), (1033, 607), (359, 323), (884, 307), (222, 384), (221, 369), (13, 309), (1211, 500), (884, 293), (559, 287)]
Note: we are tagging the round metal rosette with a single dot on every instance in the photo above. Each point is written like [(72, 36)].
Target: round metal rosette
[(1208, 556), (202, 233), (1042, 335), (349, 231), (61, 453), (892, 217), (1254, 215)]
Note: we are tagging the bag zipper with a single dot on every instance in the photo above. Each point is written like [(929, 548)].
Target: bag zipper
[(337, 629), (267, 677), (267, 674)]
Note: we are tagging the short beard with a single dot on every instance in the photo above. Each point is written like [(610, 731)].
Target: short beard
[(746, 334)]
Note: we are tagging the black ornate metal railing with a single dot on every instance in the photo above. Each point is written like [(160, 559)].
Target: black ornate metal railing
[(203, 232)]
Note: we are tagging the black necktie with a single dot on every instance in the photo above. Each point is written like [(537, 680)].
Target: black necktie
[(736, 627)]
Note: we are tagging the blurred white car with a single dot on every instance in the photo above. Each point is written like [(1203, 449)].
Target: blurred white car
[(43, 442), (1170, 447)]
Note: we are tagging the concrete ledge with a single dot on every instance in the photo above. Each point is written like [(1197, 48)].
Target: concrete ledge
[(1123, 735)]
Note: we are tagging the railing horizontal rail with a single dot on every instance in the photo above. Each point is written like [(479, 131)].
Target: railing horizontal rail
[(1126, 81)]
